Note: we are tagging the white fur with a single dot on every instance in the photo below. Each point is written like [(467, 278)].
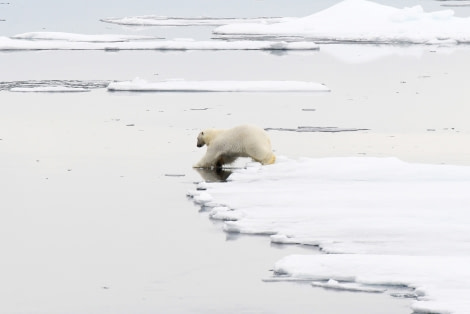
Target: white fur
[(224, 146)]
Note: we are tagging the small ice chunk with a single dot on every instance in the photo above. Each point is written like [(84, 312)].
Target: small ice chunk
[(347, 286), (202, 186), (225, 213), (202, 198)]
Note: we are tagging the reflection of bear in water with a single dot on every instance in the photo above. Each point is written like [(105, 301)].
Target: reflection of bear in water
[(225, 146), (214, 175)]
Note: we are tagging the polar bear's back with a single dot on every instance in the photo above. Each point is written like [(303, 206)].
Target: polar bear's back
[(225, 145), (246, 134), (245, 140)]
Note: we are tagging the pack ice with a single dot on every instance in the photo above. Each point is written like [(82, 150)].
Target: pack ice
[(385, 223)]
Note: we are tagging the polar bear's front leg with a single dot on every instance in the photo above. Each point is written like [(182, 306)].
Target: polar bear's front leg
[(209, 160), (203, 163)]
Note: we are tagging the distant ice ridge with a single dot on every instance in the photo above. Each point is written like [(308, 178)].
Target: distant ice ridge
[(154, 20), (365, 21), (140, 85), (69, 41), (393, 223)]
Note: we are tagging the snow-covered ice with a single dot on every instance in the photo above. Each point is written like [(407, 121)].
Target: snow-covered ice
[(394, 223), (70, 41), (217, 86), (155, 20), (440, 283), (366, 21)]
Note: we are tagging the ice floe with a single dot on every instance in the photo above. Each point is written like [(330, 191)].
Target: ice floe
[(140, 85), (365, 21), (52, 85), (155, 20), (68, 41), (316, 129), (440, 283), (105, 38), (393, 223), (49, 89), (455, 4)]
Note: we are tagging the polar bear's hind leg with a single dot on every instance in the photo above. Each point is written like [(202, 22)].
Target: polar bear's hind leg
[(269, 160)]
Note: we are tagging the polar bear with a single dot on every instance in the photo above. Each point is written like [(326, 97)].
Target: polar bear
[(224, 146)]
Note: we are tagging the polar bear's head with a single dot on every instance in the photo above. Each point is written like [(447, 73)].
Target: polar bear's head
[(206, 137)]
